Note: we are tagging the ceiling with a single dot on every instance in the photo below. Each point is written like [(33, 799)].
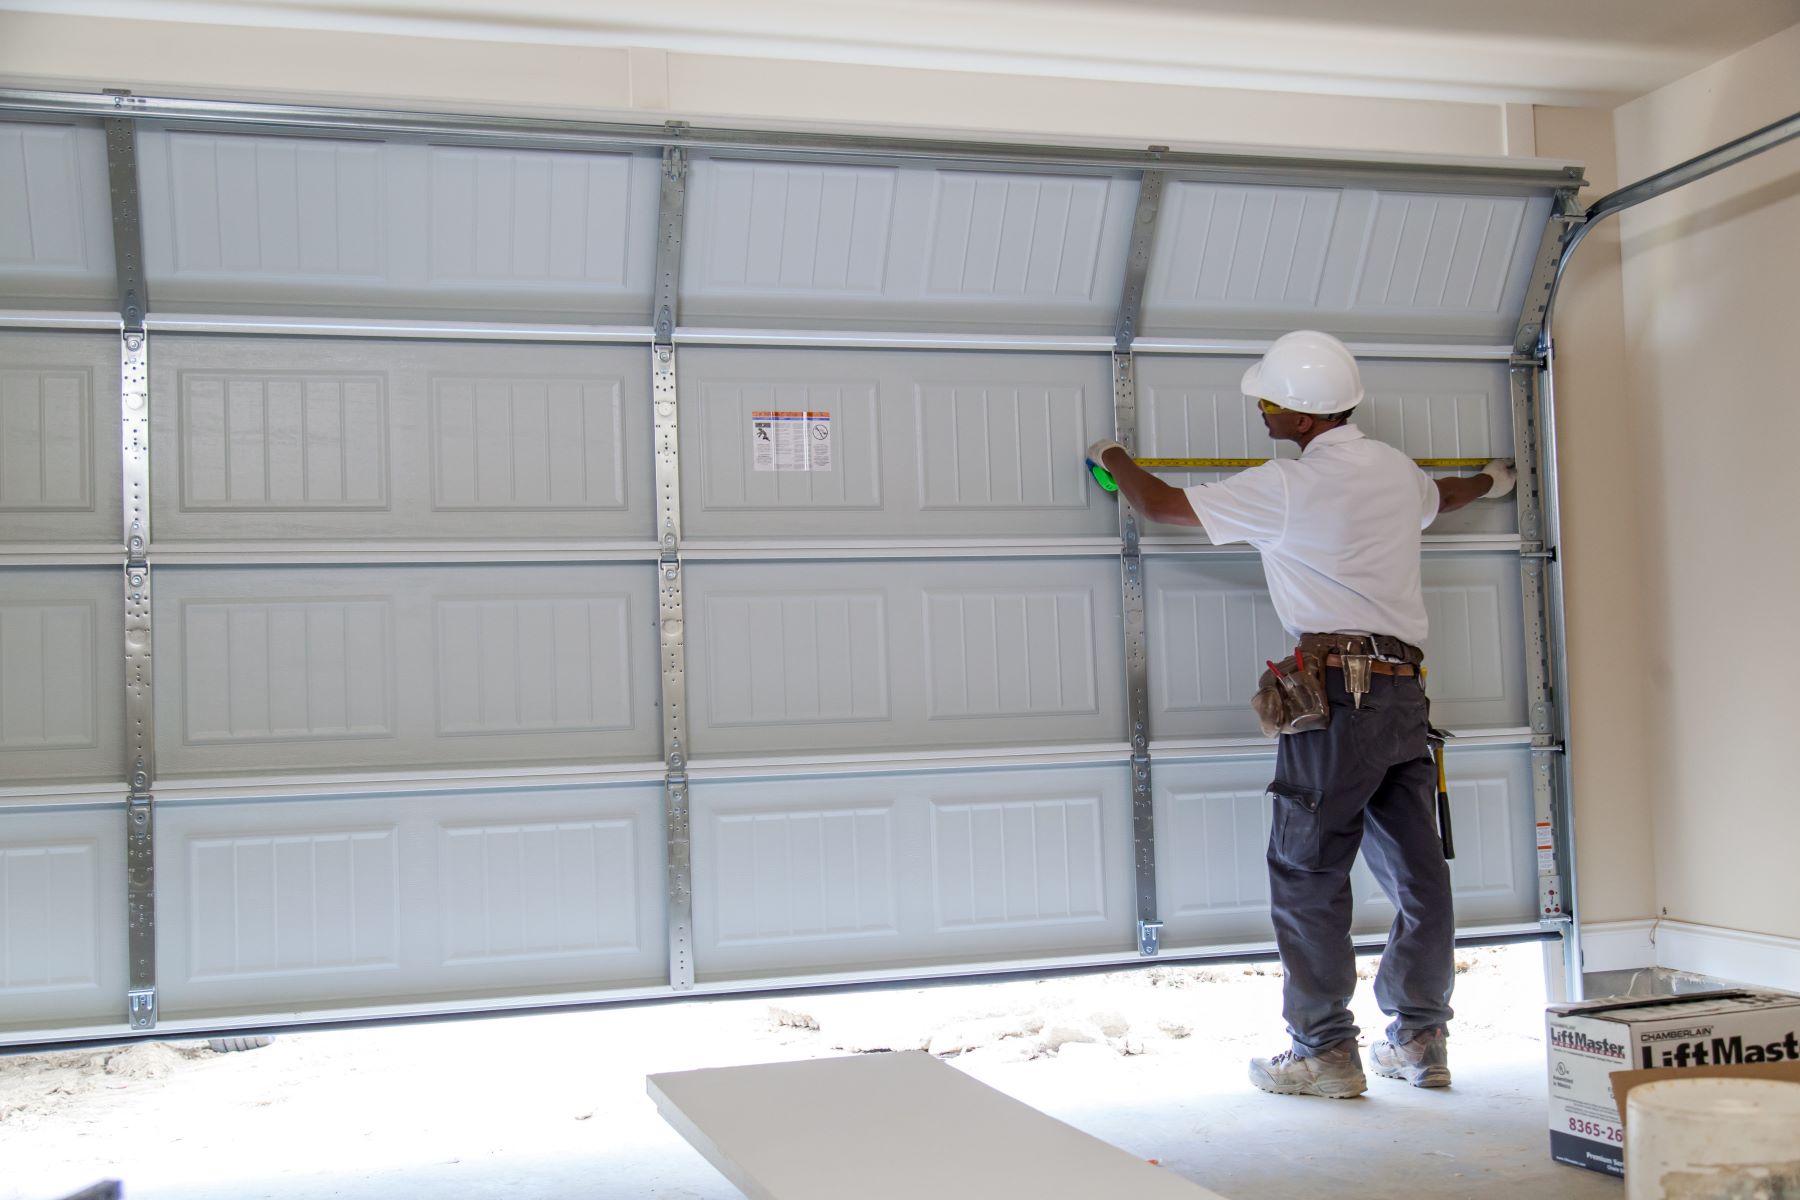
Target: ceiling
[(1585, 52)]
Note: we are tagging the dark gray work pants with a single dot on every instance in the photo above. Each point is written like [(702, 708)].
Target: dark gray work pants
[(1370, 771)]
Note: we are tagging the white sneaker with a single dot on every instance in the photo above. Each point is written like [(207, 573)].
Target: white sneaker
[(1423, 1062), (1335, 1073)]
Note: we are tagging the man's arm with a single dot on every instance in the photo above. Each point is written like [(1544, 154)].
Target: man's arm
[(1496, 479), (1154, 499)]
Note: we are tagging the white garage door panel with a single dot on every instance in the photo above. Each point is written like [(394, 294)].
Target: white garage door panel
[(921, 444), (313, 904), (283, 669), (309, 439), (272, 224), (824, 246), (1192, 407), (59, 438), (1212, 832), (1259, 259), (56, 242), (880, 871), (1212, 627), (62, 675), (62, 917), (797, 657)]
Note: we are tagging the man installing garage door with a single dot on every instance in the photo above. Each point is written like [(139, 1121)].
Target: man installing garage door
[(1339, 534)]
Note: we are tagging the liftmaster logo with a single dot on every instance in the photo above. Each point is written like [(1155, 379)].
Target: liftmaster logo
[(1720, 1051), (1564, 1038)]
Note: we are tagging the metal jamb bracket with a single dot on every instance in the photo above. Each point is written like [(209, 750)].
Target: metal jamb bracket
[(140, 911)]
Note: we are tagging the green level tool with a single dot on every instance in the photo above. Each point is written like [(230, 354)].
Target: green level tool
[(1104, 478)]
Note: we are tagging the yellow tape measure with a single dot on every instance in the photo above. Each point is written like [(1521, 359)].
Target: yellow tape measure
[(1239, 464)]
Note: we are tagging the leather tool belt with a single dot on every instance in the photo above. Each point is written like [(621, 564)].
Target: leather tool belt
[(1291, 696)]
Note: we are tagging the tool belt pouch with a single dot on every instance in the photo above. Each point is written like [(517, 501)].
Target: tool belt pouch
[(1292, 701)]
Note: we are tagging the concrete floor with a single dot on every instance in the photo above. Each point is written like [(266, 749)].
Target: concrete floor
[(555, 1107)]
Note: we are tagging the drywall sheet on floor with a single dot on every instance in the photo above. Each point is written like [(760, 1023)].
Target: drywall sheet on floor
[(892, 1127)]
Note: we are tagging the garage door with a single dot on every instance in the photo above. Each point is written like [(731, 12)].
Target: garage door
[(579, 569)]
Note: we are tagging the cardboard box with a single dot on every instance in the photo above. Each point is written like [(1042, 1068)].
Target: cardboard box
[(1588, 1042)]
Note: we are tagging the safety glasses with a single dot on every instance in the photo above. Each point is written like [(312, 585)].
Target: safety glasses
[(1269, 407)]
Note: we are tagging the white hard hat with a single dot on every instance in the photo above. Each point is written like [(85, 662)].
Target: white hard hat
[(1307, 371)]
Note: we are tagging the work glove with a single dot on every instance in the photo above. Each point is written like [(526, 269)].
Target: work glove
[(1097, 469), (1504, 475)]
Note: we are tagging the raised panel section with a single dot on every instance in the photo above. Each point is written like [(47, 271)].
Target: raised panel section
[(1194, 408), (62, 917), (999, 447), (516, 893), (540, 665), (272, 224), (447, 899), (1016, 235), (777, 228), (861, 656), (303, 903), (245, 205), (62, 674), (742, 470), (1441, 253), (1212, 628), (307, 670), (1019, 862), (1009, 653), (55, 230), (527, 444), (46, 443), (521, 216), (59, 437), (373, 441), (784, 245), (805, 875), (922, 444), (49, 925), (1219, 837), (287, 670), (830, 875), (778, 658), (1261, 259), (288, 441), (1220, 636), (1231, 245), (47, 677)]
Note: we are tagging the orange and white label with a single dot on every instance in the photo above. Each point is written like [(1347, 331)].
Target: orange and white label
[(782, 440)]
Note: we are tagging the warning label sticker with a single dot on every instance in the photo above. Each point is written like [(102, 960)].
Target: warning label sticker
[(1546, 849), (790, 441)]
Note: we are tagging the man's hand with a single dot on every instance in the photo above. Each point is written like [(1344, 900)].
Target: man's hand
[(1504, 475), (1096, 452)]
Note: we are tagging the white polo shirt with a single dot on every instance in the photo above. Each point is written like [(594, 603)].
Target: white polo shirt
[(1338, 528)]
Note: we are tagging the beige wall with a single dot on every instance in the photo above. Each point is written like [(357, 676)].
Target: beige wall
[(1600, 567), (1614, 837), (238, 63), (1712, 337)]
